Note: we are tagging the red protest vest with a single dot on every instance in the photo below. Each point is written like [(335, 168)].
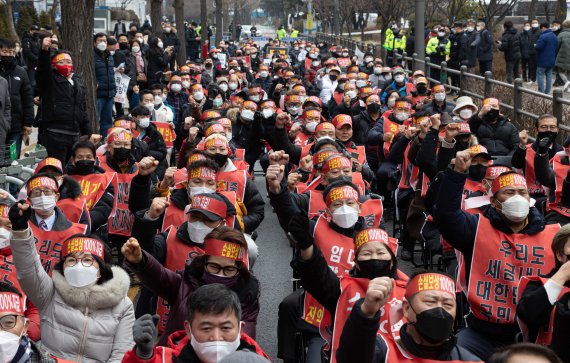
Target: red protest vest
[(410, 173), (73, 208), (499, 261), (8, 271), (371, 209), (166, 129), (338, 97), (301, 139), (560, 171), (360, 153), (121, 219), (306, 149), (233, 181), (396, 354), (180, 176), (178, 254), (240, 154), (393, 128), (534, 187), (352, 290), (48, 243), (545, 333), (93, 186)]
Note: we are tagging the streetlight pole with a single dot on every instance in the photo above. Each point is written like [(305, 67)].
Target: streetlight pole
[(336, 17), (419, 43)]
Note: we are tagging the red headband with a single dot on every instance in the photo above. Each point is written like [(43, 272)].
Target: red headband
[(209, 204), (195, 157), (215, 128), (125, 124), (215, 141), (250, 104), (492, 101), (202, 172), (508, 180), (59, 57), (42, 181), (327, 126), (312, 113), (495, 171), (438, 88), (430, 282), (83, 244), (4, 210), (403, 104), (119, 136), (219, 248), (336, 162), (370, 235), (321, 156), (11, 302), (49, 161), (344, 192)]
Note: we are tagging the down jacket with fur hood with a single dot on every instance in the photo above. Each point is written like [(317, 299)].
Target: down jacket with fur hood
[(89, 324)]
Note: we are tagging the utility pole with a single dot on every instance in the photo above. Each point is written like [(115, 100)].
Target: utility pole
[(336, 17), (419, 44)]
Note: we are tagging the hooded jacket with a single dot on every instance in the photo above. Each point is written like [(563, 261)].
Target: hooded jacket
[(89, 324), (21, 97), (500, 138)]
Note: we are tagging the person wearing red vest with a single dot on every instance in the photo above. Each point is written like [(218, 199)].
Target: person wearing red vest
[(523, 156), (429, 307), (214, 314), (507, 241), (343, 133), (224, 261), (96, 184), (553, 174), (543, 310), (8, 270), (16, 343), (374, 260)]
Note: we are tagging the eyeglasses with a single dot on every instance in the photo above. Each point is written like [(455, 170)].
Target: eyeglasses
[(548, 127), (228, 271), (8, 322), (38, 192), (85, 261)]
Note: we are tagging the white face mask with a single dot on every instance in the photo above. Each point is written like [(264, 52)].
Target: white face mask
[(140, 40), (325, 138), (157, 100), (229, 135), (186, 84), (368, 60), (9, 344), (345, 216), (351, 94), (224, 87), (466, 113), (439, 97), (479, 28), (247, 115), (254, 98), (44, 203), (160, 45), (81, 276), (136, 49), (377, 70), (515, 208), (198, 96), (315, 63), (102, 46), (311, 126), (399, 78), (391, 103), (527, 28), (267, 112), (263, 74), (535, 26), (198, 231), (112, 52), (232, 86), (214, 351), (168, 30), (144, 122), (149, 106), (441, 34), (4, 238), (176, 87), (402, 116), (360, 83), (293, 110)]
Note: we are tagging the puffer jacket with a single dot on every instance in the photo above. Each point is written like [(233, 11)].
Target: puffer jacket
[(89, 324), (563, 55), (104, 74), (500, 138), (511, 45)]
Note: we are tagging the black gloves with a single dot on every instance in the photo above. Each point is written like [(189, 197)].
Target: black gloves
[(299, 230), (19, 217), (145, 333), (544, 144)]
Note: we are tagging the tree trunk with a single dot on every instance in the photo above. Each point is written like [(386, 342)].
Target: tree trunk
[(561, 10), (77, 32), (180, 31), (204, 21), (155, 13), (532, 9), (11, 26), (219, 20)]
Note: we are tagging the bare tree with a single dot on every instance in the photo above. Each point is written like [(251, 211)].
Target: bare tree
[(219, 20), (204, 22), (495, 11), (561, 9), (10, 18), (532, 10), (155, 14), (124, 3), (180, 31), (77, 33)]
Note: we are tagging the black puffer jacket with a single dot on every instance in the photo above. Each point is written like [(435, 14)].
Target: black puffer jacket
[(361, 125), (511, 45), (104, 74), (500, 138), (21, 96), (155, 142), (63, 106)]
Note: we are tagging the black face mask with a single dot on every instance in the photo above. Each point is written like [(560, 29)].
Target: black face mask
[(339, 178), (84, 167), (220, 159), (8, 61), (461, 145), (477, 172), (491, 115), (550, 134), (373, 108), (121, 154), (123, 46), (434, 325), (372, 269), (333, 77)]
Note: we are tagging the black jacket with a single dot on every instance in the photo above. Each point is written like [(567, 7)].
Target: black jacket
[(361, 125), (485, 45), (532, 38), (500, 138), (30, 49), (155, 142), (511, 45), (157, 62), (434, 108), (104, 74), (21, 97), (471, 49), (63, 105), (459, 49)]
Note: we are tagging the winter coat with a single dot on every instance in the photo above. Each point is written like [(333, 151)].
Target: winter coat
[(546, 47), (525, 46), (63, 106), (458, 52), (485, 46), (500, 138), (533, 35), (471, 48), (157, 62), (511, 45), (176, 289), (89, 324), (31, 50), (155, 142), (21, 97), (104, 74), (563, 57), (434, 108), (5, 110)]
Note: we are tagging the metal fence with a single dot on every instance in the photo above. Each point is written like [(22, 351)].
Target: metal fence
[(515, 106)]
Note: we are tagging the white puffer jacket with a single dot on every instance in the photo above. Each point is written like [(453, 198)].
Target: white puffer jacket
[(89, 324)]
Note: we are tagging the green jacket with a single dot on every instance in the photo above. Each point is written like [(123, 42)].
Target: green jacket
[(281, 33), (294, 34), (394, 41), (433, 48)]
